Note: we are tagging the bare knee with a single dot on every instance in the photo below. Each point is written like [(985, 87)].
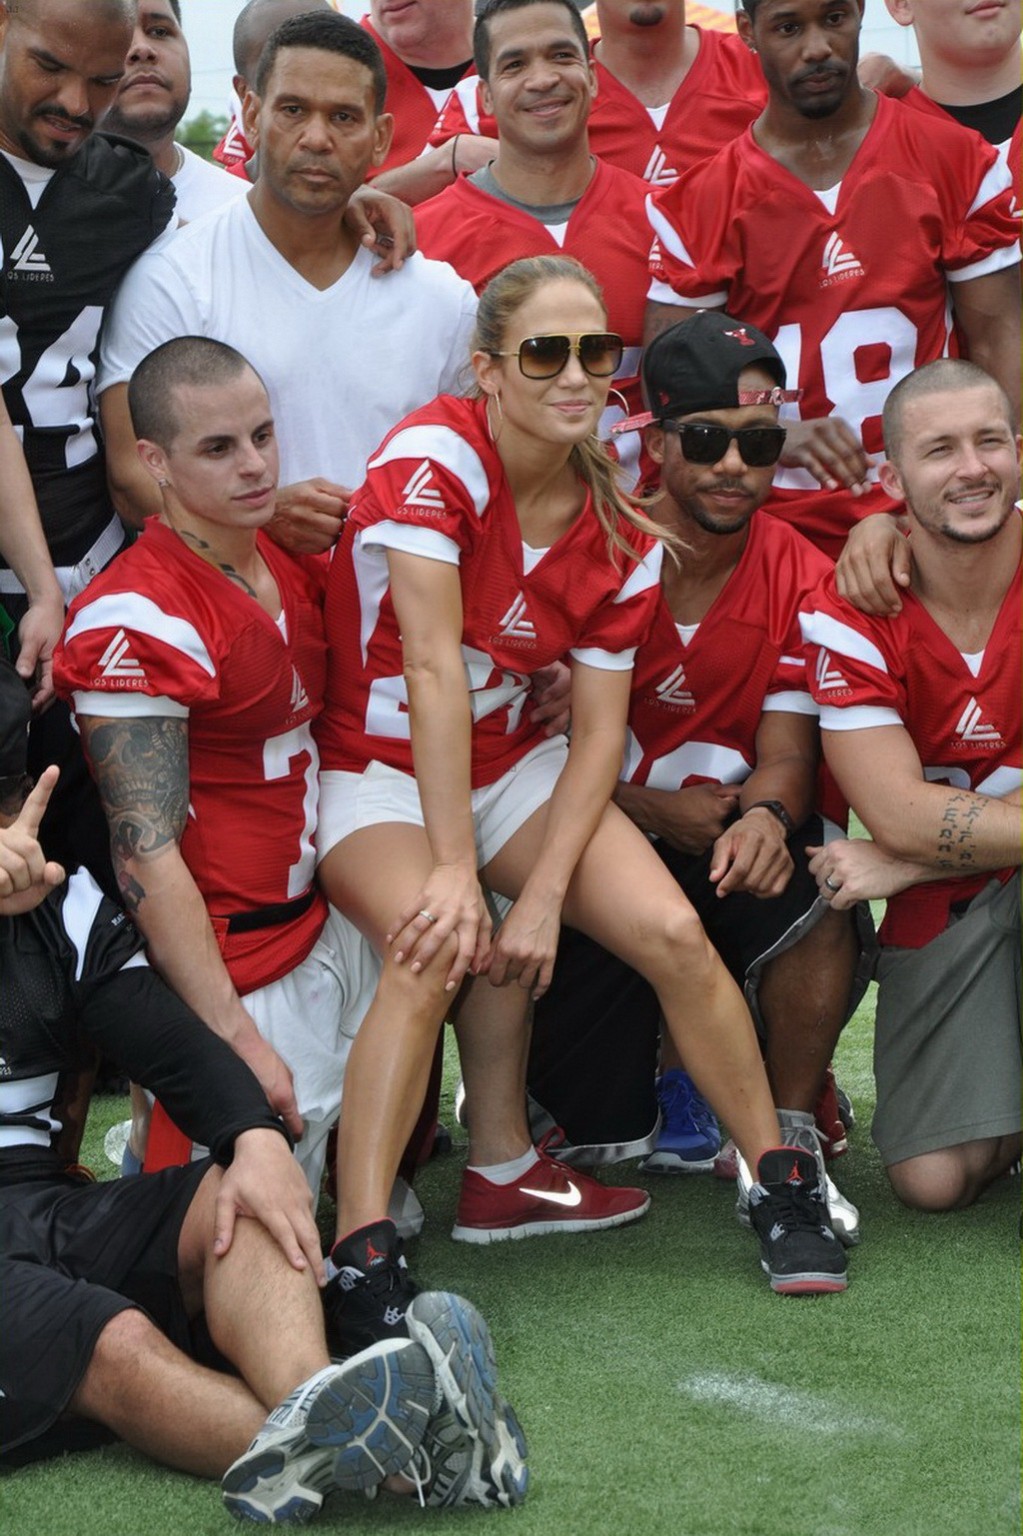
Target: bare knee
[(420, 997), (946, 1180), (676, 947), (121, 1342)]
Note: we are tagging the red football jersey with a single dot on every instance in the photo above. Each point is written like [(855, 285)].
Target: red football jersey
[(965, 725), (608, 232), (414, 110), (851, 285), (721, 95), (161, 622), (436, 487), (696, 708)]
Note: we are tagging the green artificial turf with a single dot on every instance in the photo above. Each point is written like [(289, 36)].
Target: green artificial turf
[(664, 1388)]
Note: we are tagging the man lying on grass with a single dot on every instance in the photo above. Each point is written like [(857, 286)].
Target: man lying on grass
[(175, 1310)]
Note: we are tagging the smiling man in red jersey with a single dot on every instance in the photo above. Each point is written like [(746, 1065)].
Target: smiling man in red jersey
[(920, 720), (544, 191), (668, 94), (844, 225)]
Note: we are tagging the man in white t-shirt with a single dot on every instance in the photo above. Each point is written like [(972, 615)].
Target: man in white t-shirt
[(279, 276), (151, 100)]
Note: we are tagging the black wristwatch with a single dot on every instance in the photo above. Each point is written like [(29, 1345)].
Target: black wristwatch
[(777, 809)]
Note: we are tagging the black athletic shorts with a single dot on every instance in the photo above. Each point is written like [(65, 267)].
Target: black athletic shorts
[(72, 1256), (596, 1031)]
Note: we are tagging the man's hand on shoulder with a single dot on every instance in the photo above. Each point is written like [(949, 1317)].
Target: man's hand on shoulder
[(880, 73), (384, 225), (874, 564), (309, 515), (265, 1183)]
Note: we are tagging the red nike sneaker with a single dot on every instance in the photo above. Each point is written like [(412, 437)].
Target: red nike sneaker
[(549, 1198)]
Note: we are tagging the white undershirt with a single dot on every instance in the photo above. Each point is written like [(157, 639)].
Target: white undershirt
[(35, 177)]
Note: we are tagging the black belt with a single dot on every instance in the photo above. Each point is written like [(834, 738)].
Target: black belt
[(271, 917)]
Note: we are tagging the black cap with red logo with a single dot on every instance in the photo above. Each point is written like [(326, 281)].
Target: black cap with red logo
[(695, 366)]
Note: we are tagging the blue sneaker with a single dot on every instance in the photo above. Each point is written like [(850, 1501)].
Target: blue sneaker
[(689, 1138)]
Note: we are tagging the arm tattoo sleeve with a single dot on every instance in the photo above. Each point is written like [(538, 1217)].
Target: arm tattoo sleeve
[(141, 768)]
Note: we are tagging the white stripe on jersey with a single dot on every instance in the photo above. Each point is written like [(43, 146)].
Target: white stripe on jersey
[(996, 180), (605, 661), (29, 1095), (80, 907), (858, 717), (468, 96), (372, 579), (1003, 781), (667, 233), (128, 706), (633, 756), (1004, 256), (128, 610), (411, 539), (444, 446), (645, 574), (841, 639), (704, 759), (789, 702)]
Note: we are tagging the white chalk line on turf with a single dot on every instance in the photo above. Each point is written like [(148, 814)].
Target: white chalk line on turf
[(782, 1405)]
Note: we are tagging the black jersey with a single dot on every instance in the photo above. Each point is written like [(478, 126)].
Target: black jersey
[(74, 980), (60, 264)]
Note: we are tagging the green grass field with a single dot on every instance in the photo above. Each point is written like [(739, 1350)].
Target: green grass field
[(664, 1388)]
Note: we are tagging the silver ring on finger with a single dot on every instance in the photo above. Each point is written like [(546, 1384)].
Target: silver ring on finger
[(831, 884), (428, 915)]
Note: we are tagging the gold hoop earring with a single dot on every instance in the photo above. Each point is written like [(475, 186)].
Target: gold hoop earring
[(495, 436), (619, 400)]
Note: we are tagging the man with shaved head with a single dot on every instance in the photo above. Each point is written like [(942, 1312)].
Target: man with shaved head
[(920, 724), (252, 27), (64, 254)]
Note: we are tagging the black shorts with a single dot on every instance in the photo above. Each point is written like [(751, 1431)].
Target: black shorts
[(72, 1256), (596, 1031)]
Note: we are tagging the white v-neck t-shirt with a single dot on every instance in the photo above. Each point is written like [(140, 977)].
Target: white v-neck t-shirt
[(342, 365)]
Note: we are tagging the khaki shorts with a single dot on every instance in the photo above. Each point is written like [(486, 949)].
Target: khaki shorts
[(947, 1056)]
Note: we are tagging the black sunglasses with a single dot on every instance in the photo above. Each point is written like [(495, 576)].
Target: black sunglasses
[(543, 357), (702, 443)]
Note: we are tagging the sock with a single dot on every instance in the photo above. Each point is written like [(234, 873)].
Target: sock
[(507, 1173)]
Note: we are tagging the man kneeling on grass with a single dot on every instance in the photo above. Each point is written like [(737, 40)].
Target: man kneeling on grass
[(109, 1288), (920, 720)]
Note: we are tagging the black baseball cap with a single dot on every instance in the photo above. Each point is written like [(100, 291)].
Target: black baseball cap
[(15, 714), (695, 366)]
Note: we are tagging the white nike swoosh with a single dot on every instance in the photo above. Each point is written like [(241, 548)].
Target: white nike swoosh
[(573, 1196)]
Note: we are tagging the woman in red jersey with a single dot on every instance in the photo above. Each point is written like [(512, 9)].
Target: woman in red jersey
[(490, 539)]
